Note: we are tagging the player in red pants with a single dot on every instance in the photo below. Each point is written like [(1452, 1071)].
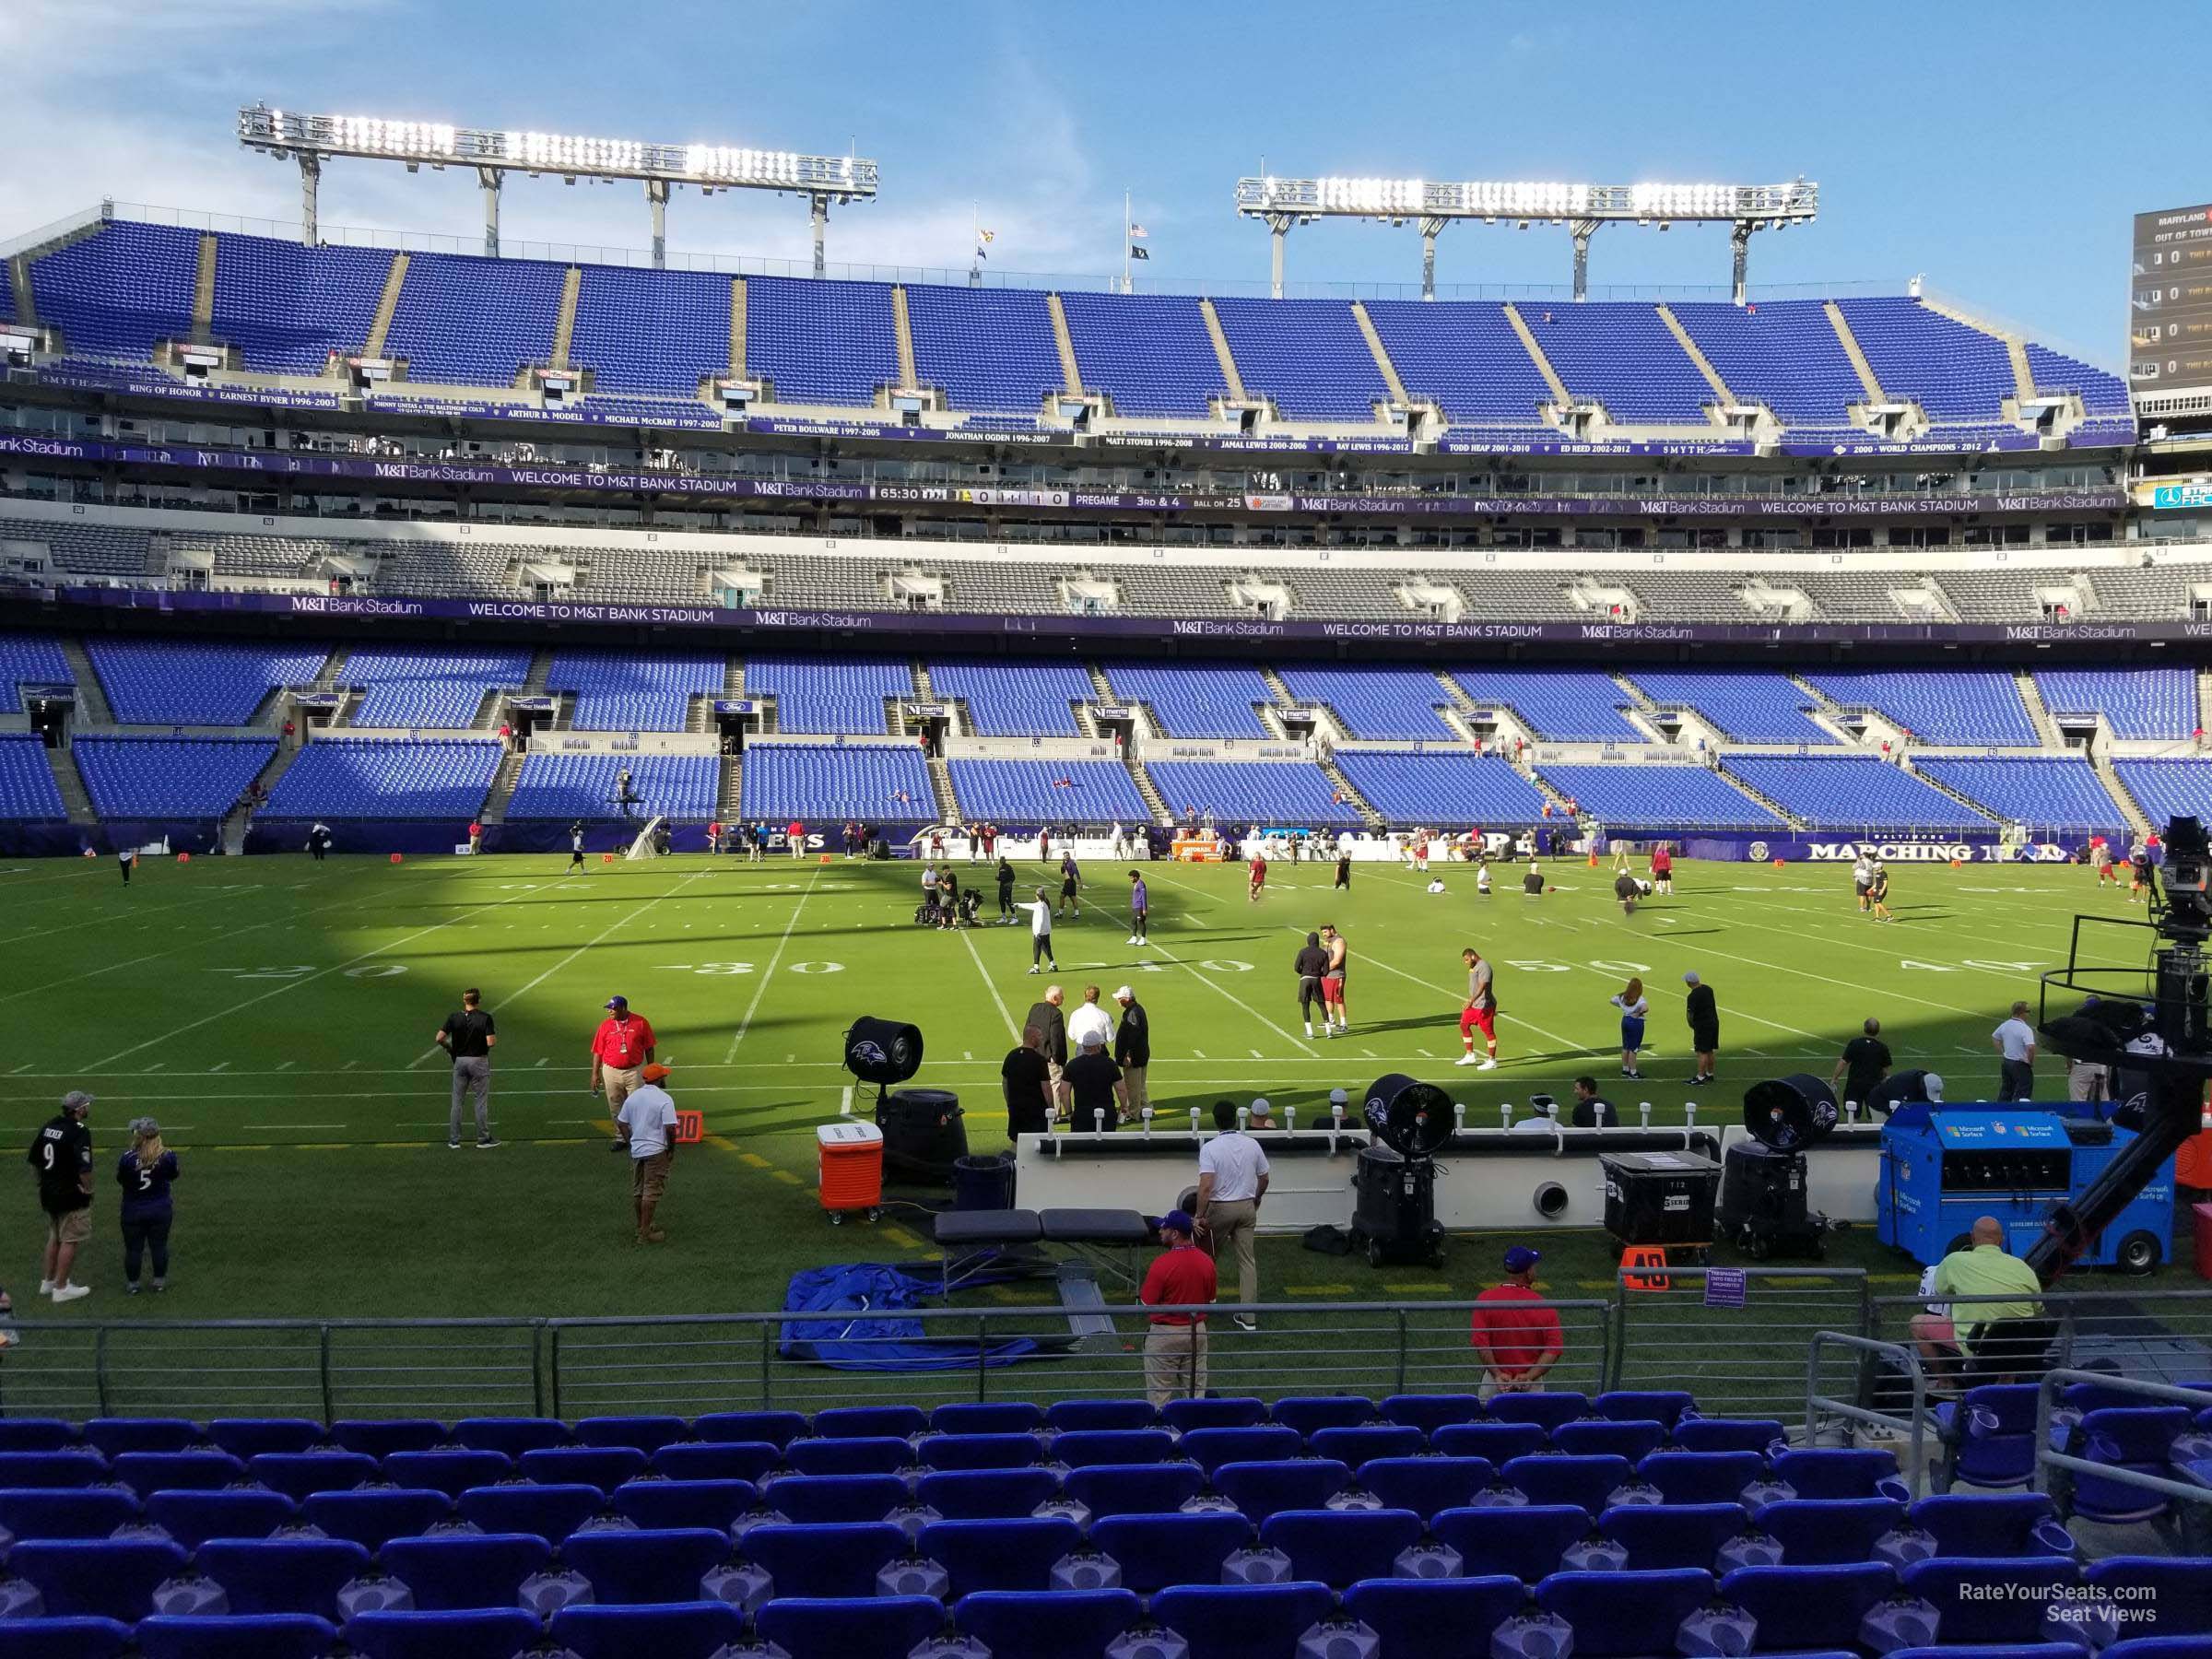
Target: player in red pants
[(1258, 868), (1480, 1013)]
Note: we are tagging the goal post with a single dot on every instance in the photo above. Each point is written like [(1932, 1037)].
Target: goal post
[(646, 844)]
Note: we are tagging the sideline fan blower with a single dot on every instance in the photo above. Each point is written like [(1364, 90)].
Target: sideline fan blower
[(922, 1131), (1763, 1207), (1394, 1185)]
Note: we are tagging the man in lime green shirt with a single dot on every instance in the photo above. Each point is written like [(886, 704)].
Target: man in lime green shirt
[(1981, 1269)]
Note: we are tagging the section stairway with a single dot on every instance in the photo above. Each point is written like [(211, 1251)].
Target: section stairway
[(92, 705), (75, 799), (1155, 803), (2038, 712), (2137, 819), (1352, 797), (494, 811)]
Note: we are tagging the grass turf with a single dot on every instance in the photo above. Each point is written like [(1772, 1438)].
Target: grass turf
[(277, 1016)]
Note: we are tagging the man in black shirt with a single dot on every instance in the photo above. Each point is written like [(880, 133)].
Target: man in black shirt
[(1310, 964), (1005, 873), (1133, 1053), (576, 845), (61, 1155), (1051, 1029), (1704, 1016), (1592, 1110), (1904, 1089), (1864, 1064), (1091, 1081), (470, 1037), (1027, 1080)]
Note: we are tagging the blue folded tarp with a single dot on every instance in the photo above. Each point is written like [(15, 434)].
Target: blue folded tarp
[(854, 1322)]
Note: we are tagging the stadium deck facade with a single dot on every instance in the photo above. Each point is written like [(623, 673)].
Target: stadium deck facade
[(1686, 566)]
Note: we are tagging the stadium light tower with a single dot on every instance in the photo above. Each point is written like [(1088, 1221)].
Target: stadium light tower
[(1744, 209), (288, 134)]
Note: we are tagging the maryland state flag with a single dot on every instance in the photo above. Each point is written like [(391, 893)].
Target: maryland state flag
[(983, 239)]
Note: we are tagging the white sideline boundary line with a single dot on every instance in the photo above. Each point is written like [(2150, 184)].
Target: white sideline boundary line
[(760, 990)]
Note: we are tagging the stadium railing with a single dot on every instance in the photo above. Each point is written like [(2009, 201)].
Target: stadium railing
[(2050, 1459), (1798, 1332)]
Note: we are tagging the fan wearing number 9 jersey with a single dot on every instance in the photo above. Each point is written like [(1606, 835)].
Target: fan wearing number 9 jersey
[(145, 1175)]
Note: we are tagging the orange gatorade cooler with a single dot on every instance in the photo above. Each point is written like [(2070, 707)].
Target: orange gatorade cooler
[(851, 1158)]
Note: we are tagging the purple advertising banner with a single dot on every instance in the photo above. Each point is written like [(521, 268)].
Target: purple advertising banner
[(944, 626), (273, 465)]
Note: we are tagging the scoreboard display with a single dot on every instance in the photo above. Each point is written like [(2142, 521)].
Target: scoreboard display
[(2170, 301)]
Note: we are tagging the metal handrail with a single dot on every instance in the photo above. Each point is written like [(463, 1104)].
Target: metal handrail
[(1818, 1405), (2047, 1456)]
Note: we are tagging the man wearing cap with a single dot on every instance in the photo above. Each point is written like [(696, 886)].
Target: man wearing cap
[(1340, 1108), (622, 1045), (1091, 1079), (1704, 1016), (1133, 1053), (1182, 1276), (62, 1155), (1517, 1338), (645, 1123), (1232, 1179)]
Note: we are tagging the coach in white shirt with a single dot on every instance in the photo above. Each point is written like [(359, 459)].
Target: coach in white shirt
[(1089, 1018), (1232, 1179), (2014, 1044)]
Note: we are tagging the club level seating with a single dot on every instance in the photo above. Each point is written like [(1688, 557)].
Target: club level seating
[(631, 691), (1658, 797), (28, 792), (1014, 700), (1857, 793), (1379, 704), (829, 695), (387, 778), (1193, 700), (1954, 705), (1571, 705), (989, 348), (1748, 705), (556, 784), (2146, 703), (1046, 791), (197, 682), (2166, 789), (821, 783), (30, 660), (1271, 793), (1307, 355), (2046, 792), (1442, 789), (402, 687), (169, 777)]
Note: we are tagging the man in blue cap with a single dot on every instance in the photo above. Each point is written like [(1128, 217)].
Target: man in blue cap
[(1182, 1276), (1515, 1333)]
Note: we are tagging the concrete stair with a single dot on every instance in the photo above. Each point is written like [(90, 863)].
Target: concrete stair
[(541, 671), (737, 328), (18, 282), (1374, 345), (19, 265), (75, 799), (1335, 773), (1155, 803), (387, 302), (1065, 343), (940, 789), (494, 811), (1772, 805), (1964, 800), (732, 677), (203, 290), (1229, 376), (92, 706), (2016, 348), (564, 321), (903, 332), (2038, 712), (2204, 696), (326, 678), (2137, 819), (1536, 355), (1859, 364), (1697, 356), (924, 690), (732, 790), (233, 830)]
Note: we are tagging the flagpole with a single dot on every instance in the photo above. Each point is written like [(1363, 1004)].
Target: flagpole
[(1128, 286), (976, 244)]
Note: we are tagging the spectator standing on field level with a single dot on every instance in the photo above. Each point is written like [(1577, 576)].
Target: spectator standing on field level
[(1088, 1018), (61, 1155), (1517, 1343), (1027, 1081), (1703, 1012), (1864, 1062), (1094, 1083), (2014, 1044), (1133, 1053), (646, 1124), (1181, 1276), (468, 1037), (1052, 1026), (145, 1175), (621, 1048), (126, 859), (1232, 1179)]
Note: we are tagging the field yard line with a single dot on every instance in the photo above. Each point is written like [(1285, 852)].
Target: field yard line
[(294, 984), (1207, 979), (1832, 916), (1005, 1013), (1550, 1037), (77, 923), (515, 997), (760, 990)]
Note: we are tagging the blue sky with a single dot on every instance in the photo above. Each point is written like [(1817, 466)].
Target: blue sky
[(2000, 150)]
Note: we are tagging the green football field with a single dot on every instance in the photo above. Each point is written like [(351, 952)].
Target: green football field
[(277, 1016)]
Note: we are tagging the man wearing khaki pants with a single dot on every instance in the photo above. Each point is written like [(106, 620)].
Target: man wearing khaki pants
[(621, 1049), (1181, 1276), (1232, 1179)]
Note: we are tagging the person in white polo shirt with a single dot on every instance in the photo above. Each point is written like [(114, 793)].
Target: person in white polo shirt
[(646, 1124), (2014, 1044), (1232, 1179), (1088, 1018)]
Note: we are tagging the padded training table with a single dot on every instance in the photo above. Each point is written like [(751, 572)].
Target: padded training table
[(966, 1232)]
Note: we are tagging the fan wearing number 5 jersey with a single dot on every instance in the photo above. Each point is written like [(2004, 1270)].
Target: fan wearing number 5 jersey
[(145, 1175), (62, 1155)]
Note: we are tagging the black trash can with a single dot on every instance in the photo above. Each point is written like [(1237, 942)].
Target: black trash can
[(983, 1182), (923, 1135)]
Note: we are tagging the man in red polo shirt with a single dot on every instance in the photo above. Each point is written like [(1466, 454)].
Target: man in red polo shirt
[(796, 836), (1182, 1276), (621, 1049), (1517, 1342)]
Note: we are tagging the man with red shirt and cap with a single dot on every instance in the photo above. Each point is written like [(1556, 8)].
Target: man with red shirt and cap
[(1517, 1337), (621, 1049), (1181, 1276)]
